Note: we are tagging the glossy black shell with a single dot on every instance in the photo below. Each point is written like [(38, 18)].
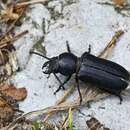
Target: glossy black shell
[(106, 74), (67, 63)]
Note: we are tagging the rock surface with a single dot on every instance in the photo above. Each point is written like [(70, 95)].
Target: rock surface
[(80, 22)]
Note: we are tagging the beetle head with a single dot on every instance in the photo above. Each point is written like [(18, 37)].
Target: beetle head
[(50, 66)]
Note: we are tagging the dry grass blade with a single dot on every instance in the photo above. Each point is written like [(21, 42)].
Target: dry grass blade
[(8, 60), (8, 14), (111, 43), (66, 94), (12, 10), (7, 39), (30, 2), (126, 93)]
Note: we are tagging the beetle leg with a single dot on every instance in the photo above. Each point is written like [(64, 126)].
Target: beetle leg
[(121, 99), (59, 88), (114, 92), (48, 76), (68, 47), (59, 81), (66, 80), (80, 95), (118, 95), (62, 84), (89, 49)]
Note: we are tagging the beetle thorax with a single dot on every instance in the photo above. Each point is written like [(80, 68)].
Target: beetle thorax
[(67, 63)]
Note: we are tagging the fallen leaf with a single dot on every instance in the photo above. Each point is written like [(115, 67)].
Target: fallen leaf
[(16, 93), (9, 95)]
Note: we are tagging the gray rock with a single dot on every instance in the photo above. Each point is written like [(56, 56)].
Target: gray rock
[(83, 23)]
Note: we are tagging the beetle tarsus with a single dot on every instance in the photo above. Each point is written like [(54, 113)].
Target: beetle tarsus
[(59, 88), (48, 76), (119, 96), (121, 99)]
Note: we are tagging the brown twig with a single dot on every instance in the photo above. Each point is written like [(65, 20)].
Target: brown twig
[(12, 25), (111, 43), (5, 43), (30, 2)]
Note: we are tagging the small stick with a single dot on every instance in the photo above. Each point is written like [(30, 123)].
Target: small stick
[(29, 3), (5, 43), (111, 43), (12, 25)]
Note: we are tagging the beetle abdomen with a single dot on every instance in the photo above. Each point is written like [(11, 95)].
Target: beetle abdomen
[(101, 78), (104, 65), (103, 73)]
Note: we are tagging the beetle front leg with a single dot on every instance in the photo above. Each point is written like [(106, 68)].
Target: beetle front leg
[(62, 84), (66, 80), (118, 94), (59, 88), (80, 95)]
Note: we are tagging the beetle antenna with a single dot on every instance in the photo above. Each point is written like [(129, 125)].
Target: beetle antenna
[(32, 52)]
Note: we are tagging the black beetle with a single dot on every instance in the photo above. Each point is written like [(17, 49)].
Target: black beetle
[(107, 75)]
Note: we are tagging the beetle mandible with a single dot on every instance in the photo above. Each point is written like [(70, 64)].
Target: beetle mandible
[(107, 75)]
